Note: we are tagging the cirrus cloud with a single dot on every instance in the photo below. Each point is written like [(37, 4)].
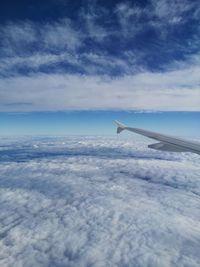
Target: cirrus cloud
[(125, 57)]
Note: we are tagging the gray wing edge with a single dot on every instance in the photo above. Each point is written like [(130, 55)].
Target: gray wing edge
[(167, 143)]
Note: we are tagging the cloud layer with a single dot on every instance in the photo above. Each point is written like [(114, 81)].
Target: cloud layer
[(131, 56), (93, 201), (144, 91)]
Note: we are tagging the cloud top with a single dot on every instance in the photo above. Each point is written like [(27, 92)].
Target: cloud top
[(97, 201)]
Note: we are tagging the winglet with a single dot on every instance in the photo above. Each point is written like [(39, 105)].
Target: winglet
[(120, 126)]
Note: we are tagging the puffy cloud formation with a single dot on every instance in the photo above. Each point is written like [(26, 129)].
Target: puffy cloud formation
[(96, 201)]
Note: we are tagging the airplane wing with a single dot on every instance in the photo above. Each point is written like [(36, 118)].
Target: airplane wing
[(166, 142)]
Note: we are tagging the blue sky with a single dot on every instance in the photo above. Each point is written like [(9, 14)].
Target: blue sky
[(74, 60), (184, 124)]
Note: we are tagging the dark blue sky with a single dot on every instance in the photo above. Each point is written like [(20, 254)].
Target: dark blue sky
[(64, 56), (150, 35)]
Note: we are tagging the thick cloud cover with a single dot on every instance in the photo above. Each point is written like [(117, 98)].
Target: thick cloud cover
[(96, 201)]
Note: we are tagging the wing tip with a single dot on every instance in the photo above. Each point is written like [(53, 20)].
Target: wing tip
[(120, 126)]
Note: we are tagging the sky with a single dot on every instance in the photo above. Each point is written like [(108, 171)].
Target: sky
[(185, 124), (78, 65)]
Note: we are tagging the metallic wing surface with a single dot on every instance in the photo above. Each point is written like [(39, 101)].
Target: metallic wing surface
[(166, 142)]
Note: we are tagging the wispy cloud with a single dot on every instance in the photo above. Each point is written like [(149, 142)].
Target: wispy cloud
[(129, 57), (27, 37), (173, 12), (61, 35)]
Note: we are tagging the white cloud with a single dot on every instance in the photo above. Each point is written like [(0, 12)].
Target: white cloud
[(128, 17), (93, 29), (172, 12), (172, 90), (90, 63), (61, 35), (21, 38), (61, 47), (162, 16), (10, 66), (97, 201), (17, 36)]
